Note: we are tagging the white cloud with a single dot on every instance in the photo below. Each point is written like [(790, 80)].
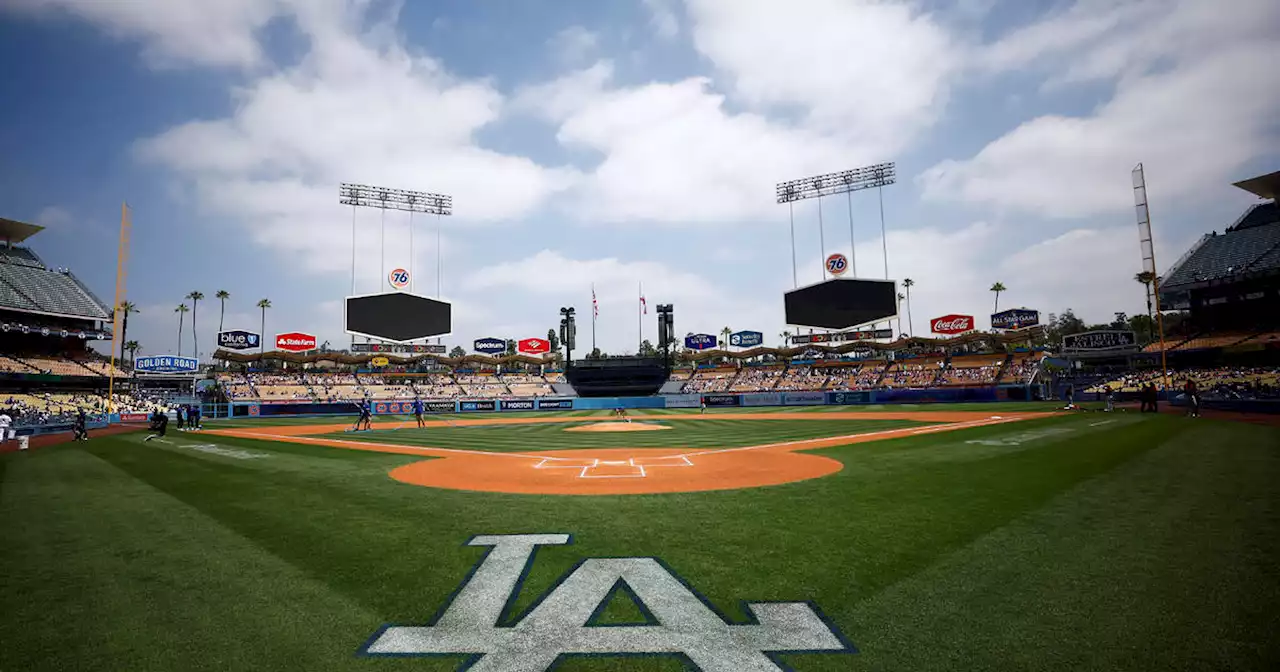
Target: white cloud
[(174, 32), (1191, 109), (574, 44), (359, 108), (871, 71), (663, 18)]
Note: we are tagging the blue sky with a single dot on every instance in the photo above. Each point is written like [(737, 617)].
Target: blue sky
[(625, 143)]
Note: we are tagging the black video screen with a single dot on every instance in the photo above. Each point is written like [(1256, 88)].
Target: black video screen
[(398, 316), (840, 304)]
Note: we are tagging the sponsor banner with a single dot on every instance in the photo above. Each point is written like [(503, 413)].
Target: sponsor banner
[(700, 341), (804, 398), (439, 407), (489, 346), (746, 339), (555, 404), (951, 324), (722, 400), (166, 364), (762, 399), (399, 278), (517, 405), (134, 417), (1015, 318), (682, 401), (398, 349), (295, 341), (837, 264), (843, 336), (485, 405), (1100, 340), (379, 362), (238, 339), (533, 346), (847, 398)]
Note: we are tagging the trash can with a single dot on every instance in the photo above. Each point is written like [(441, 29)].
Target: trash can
[(23, 442)]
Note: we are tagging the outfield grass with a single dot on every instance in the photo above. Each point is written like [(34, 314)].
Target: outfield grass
[(714, 433), (1143, 543)]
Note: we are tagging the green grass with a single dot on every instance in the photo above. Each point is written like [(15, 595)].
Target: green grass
[(1141, 544), (713, 433)]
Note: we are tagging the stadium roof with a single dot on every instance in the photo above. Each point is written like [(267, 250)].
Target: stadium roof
[(1262, 186), (16, 232)]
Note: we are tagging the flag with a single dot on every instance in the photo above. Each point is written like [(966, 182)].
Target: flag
[(595, 306), (644, 307)]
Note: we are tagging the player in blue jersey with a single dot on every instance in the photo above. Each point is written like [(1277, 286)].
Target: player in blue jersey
[(417, 413)]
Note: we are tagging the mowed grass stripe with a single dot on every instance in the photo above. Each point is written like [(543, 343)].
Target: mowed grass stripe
[(553, 436)]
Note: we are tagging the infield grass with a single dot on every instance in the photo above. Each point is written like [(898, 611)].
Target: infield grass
[(1141, 543)]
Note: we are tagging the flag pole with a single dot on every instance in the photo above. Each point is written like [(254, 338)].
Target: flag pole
[(639, 318), (594, 311)]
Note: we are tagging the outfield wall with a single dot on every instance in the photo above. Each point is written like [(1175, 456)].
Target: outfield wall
[(711, 400)]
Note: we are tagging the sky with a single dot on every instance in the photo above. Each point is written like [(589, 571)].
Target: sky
[(624, 144)]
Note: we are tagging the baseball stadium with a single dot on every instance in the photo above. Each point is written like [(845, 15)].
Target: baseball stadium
[(978, 500)]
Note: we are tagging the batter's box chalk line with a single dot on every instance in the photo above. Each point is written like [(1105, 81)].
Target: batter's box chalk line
[(636, 467)]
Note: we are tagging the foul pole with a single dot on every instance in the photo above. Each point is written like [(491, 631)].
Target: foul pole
[(1149, 259), (117, 315)]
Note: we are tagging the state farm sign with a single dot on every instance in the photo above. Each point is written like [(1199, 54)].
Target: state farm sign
[(534, 346), (295, 342), (952, 324)]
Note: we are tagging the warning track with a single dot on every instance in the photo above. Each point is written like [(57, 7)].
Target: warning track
[(623, 471)]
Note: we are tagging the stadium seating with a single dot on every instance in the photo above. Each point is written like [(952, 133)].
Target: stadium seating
[(972, 370), (710, 380), (756, 378), (49, 291), (1226, 254)]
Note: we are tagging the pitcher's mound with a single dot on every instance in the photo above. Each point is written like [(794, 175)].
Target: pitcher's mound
[(616, 427)]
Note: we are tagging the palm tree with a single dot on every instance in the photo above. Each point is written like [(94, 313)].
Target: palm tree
[(907, 284), (222, 295), (997, 288), (264, 304), (1147, 278), (195, 335), (181, 310), (786, 338), (901, 297), (125, 308), (132, 347)]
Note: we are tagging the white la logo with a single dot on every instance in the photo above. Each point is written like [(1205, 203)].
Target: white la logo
[(559, 623)]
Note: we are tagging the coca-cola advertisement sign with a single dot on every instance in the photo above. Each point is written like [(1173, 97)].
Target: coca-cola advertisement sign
[(952, 324)]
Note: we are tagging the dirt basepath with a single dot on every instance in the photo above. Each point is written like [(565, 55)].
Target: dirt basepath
[(624, 471)]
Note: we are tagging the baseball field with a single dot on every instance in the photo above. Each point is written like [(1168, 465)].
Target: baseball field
[(978, 537)]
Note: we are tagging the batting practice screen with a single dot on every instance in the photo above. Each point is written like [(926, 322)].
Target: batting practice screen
[(842, 303)]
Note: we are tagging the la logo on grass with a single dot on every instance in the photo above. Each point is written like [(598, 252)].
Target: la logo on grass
[(564, 621)]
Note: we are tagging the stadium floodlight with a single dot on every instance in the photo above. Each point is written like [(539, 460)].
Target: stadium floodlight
[(384, 198), (568, 332), (845, 182)]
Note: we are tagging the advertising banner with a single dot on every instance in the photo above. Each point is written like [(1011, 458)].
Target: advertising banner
[(682, 401), (746, 339), (848, 398), (804, 398), (399, 349), (238, 339), (517, 405), (489, 346), (1090, 341), (485, 405), (951, 324), (843, 336), (134, 417), (722, 400), (555, 404), (700, 342), (1015, 318), (762, 399), (399, 278), (295, 341), (533, 346), (379, 362), (166, 364)]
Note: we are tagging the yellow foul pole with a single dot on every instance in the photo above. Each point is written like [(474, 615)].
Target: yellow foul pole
[(117, 314), (1147, 242)]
